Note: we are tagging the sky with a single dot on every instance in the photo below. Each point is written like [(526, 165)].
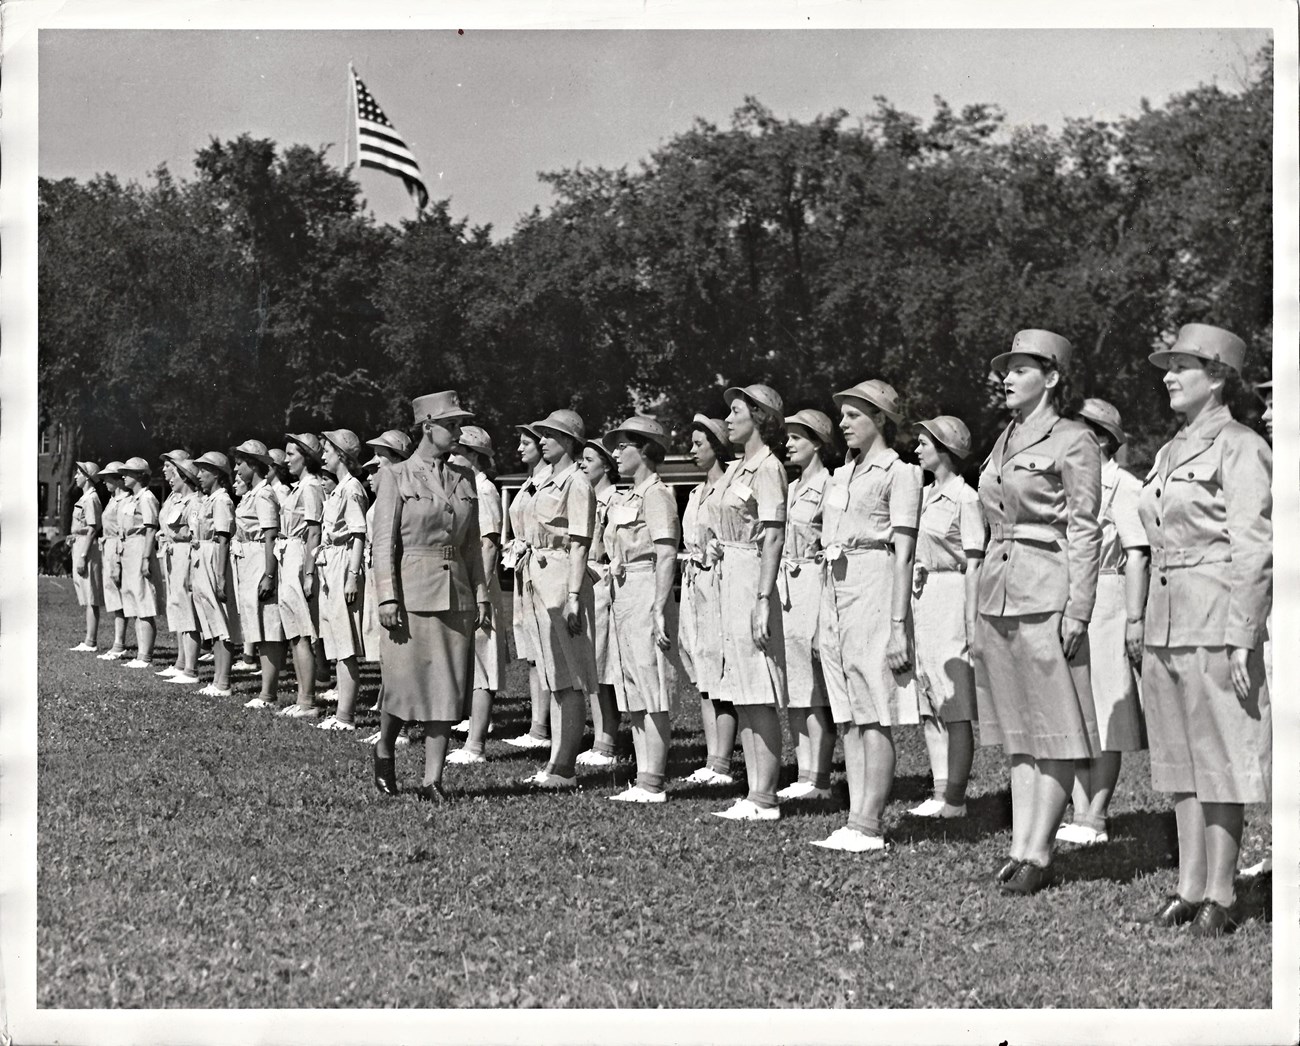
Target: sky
[(486, 111)]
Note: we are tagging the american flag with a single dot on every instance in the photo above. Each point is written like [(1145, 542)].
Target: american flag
[(381, 147)]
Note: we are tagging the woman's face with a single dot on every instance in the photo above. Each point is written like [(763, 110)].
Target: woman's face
[(529, 452), (1267, 416), (134, 481), (800, 447), (860, 423), (593, 465), (372, 478), (244, 472), (702, 451), (1189, 384), (629, 457), (295, 459), (329, 482), (553, 448), (443, 435), (926, 452), (740, 421), (114, 483), (207, 479), (1026, 382), (330, 457)]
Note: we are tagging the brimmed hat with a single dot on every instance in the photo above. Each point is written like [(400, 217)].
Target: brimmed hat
[(253, 449), (176, 455), (89, 468), (308, 443), (1099, 412), (951, 433), (215, 461), (477, 439), (566, 422), (1264, 389), (346, 442), (1041, 344), (395, 440), (137, 466), (606, 455), (279, 459), (113, 470), (764, 395), (638, 425), (714, 426), (876, 392), (817, 423), (530, 430), (1206, 343), (439, 406)]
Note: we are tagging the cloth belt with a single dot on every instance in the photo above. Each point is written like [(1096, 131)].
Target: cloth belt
[(431, 551), (833, 552), (638, 566), (1174, 558), (1025, 532), (790, 566)]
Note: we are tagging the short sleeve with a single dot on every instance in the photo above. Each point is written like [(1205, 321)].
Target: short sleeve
[(148, 510), (661, 514), (489, 510), (268, 510), (1124, 511), (223, 516), (905, 496), (974, 535), (770, 491), (354, 509), (311, 500), (580, 508), (91, 507)]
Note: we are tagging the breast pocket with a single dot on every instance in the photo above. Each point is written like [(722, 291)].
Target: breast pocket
[(621, 516), (807, 507), (549, 506)]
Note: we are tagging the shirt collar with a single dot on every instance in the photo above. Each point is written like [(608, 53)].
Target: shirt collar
[(948, 488), (1209, 423), (752, 464), (881, 461), (650, 480)]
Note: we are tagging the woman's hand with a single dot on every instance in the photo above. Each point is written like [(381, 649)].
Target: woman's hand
[(219, 583), (308, 582), (350, 588), (760, 625), (485, 616), (117, 574), (83, 568), (573, 615), (660, 629), (1072, 633), (896, 654), (971, 645), (1240, 671), (1134, 633), (266, 588), (388, 615)]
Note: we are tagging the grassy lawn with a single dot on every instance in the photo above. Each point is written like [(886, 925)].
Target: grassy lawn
[(196, 854)]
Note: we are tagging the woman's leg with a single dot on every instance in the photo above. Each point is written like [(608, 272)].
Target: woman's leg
[(480, 715), (961, 754), (855, 771), (187, 659), (657, 734), (709, 720), (763, 753), (304, 667), (935, 732), (222, 656), (349, 678), (604, 720), (542, 707), (437, 735), (637, 723), (146, 632), (1052, 780), (1192, 864), (272, 657), (119, 631), (879, 751), (725, 723), (322, 662), (798, 720), (568, 720), (1223, 824), (92, 626), (821, 746), (1098, 780), (389, 727), (1023, 775)]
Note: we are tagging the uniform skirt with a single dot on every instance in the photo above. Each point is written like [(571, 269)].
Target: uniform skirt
[(427, 665), (647, 675), (1203, 739), (140, 579), (217, 620), (607, 669), (180, 602), (89, 589), (700, 627), (297, 611), (853, 632), (371, 629), (800, 587), (945, 676), (749, 676), (112, 574), (1115, 695), (490, 646), (259, 620), (1031, 700), (340, 621), (567, 662)]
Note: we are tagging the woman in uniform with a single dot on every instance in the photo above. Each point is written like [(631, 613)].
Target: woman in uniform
[(810, 435), (600, 469), (949, 554), (431, 591), (1040, 490), (489, 642), (749, 531), (1115, 633), (141, 583), (111, 544), (257, 526), (560, 593), (340, 559), (301, 510), (642, 534), (518, 559), (174, 538), (87, 558), (1208, 512), (871, 510), (700, 626), (212, 583)]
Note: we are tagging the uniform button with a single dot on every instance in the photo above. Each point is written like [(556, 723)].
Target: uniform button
[(999, 479), (1157, 521), (1004, 555), (1157, 492), (1164, 581)]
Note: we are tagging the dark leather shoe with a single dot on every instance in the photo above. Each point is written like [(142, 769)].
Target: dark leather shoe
[(431, 793), (1211, 920), (1008, 869), (385, 774), (1026, 879), (1174, 912)]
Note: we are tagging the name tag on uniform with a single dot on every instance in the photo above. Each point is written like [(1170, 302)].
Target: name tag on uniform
[(622, 515), (837, 497), (741, 491)]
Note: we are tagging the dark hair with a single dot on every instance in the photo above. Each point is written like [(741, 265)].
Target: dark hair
[(771, 426), (1105, 435), (258, 466), (651, 450), (721, 448), (1067, 400)]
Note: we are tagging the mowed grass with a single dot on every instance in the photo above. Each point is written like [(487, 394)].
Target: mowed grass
[(196, 854)]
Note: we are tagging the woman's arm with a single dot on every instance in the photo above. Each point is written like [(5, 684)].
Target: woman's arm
[(665, 572), (974, 562), (773, 539), (897, 655), (1080, 465)]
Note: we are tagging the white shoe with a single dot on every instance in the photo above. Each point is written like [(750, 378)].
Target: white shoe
[(112, 655), (929, 808), (716, 778), (553, 782), (850, 840), (245, 666), (1081, 835), (183, 678), (136, 662), (168, 672), (594, 758), (259, 702), (330, 697), (370, 739), (461, 728), (951, 812), (83, 648), (402, 741), (527, 741), (797, 790), (209, 656), (699, 777), (1266, 865), (212, 690), (744, 810), (334, 723), (296, 711), (464, 755), (636, 794)]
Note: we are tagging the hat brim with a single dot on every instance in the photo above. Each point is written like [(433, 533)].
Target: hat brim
[(485, 452), (862, 397), (1162, 357), (611, 437), (307, 451), (350, 455), (1115, 431), (542, 428), (214, 468), (999, 362), (803, 426), (925, 426), (184, 468), (452, 415), (124, 471), (236, 454), (375, 462)]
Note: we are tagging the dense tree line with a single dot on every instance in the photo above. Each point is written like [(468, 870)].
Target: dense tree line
[(260, 298)]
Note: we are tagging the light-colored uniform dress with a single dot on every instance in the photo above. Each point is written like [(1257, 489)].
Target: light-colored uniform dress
[(174, 541), (371, 629), (1040, 490), (952, 524), (342, 518), (799, 584), (490, 646), (563, 507), (637, 520), (258, 510), (210, 515), (602, 584), (1115, 694), (428, 560), (141, 581), (1208, 512), (302, 505), (112, 543), (700, 623), (750, 494), (861, 508), (517, 557), (87, 514)]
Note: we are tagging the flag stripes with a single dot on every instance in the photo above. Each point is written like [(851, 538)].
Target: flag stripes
[(381, 148)]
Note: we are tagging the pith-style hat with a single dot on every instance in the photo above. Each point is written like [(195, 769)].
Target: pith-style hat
[(113, 470), (1099, 412), (1264, 390), (395, 440), (1206, 343), (136, 466), (876, 392), (308, 443), (89, 468), (214, 461), (1041, 344), (566, 422), (637, 425), (253, 449), (817, 423), (176, 455), (951, 433), (345, 441), (477, 439), (764, 395), (439, 406), (611, 466), (714, 426)]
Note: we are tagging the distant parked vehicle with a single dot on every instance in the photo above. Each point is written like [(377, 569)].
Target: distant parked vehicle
[(54, 554)]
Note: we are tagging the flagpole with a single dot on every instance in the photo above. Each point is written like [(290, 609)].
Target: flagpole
[(351, 112)]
